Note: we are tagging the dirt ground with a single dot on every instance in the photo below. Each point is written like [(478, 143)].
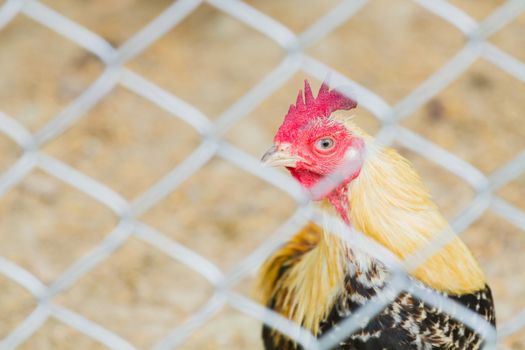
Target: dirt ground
[(223, 213)]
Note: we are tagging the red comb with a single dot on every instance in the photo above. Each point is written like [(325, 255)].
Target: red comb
[(308, 107)]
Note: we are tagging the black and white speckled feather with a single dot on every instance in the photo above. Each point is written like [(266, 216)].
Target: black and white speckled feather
[(407, 323)]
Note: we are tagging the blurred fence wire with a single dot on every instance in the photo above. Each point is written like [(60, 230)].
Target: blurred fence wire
[(212, 145)]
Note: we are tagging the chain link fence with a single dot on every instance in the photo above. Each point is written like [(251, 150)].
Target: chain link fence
[(213, 144)]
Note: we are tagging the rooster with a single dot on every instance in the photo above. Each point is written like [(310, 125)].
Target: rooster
[(317, 280)]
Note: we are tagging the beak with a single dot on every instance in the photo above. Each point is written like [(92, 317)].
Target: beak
[(279, 155)]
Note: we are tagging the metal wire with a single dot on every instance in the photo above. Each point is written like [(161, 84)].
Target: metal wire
[(212, 145)]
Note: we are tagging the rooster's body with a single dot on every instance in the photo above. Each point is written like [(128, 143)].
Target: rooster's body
[(317, 279)]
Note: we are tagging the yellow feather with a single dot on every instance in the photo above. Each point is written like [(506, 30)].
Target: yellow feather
[(309, 288), (390, 204)]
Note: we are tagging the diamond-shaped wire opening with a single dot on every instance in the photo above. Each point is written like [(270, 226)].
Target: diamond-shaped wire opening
[(510, 38), (478, 117), (377, 47), (451, 194), (115, 21), (477, 9), (297, 15), (138, 293), (221, 212), (229, 329), (255, 132), (55, 335), (16, 304), (125, 142), (499, 246), (210, 59), (9, 152), (47, 225), (42, 72), (514, 192)]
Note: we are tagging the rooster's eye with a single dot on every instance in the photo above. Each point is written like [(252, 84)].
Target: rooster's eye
[(324, 144)]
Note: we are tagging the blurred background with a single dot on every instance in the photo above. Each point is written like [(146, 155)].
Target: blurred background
[(210, 59)]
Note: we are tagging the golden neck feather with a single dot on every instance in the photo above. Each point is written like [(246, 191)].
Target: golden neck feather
[(390, 204), (307, 291)]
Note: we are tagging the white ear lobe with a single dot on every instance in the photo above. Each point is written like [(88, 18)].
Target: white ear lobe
[(351, 154)]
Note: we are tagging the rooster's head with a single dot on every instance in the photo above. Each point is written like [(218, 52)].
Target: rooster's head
[(311, 142)]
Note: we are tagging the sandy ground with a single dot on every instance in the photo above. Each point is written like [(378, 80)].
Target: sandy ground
[(222, 212)]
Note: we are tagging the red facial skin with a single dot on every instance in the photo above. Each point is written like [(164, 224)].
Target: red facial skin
[(315, 164), (307, 121)]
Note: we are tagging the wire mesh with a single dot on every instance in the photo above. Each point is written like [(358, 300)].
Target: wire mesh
[(212, 144)]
